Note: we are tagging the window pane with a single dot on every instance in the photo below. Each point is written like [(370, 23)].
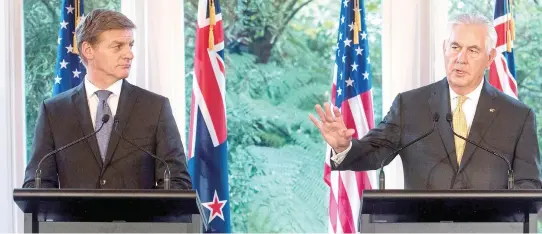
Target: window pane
[(41, 25), (276, 71)]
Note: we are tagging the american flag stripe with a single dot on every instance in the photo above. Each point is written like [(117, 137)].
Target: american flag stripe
[(356, 107), (334, 205), (345, 207), (351, 93), (353, 194)]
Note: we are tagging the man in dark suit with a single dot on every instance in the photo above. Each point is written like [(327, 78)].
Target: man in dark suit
[(480, 113), (105, 40)]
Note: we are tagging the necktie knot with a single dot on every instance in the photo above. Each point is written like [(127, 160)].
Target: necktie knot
[(460, 100), (103, 95)]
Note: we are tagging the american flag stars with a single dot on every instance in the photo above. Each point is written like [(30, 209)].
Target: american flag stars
[(69, 71), (352, 95)]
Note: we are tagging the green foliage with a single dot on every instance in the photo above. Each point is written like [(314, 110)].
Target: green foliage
[(41, 24), (40, 28), (284, 195), (276, 155)]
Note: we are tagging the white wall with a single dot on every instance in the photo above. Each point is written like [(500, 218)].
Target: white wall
[(158, 65), (412, 35), (12, 129)]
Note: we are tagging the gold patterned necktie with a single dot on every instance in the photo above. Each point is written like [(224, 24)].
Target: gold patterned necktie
[(460, 127)]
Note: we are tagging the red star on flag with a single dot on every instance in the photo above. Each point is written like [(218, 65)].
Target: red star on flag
[(215, 207)]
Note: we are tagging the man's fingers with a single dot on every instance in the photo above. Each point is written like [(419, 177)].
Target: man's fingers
[(315, 121), (320, 112), (337, 113), (329, 115), (349, 132)]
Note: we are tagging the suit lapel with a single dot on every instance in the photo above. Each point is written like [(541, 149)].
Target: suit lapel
[(483, 118), (440, 103), (127, 100), (80, 103)]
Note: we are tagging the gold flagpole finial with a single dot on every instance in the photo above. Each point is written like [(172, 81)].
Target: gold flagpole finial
[(512, 21), (76, 15), (357, 22), (510, 26), (211, 24)]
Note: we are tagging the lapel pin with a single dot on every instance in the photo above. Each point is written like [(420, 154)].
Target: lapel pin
[(491, 110)]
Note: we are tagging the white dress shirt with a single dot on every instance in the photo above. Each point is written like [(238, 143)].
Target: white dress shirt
[(112, 101), (469, 108)]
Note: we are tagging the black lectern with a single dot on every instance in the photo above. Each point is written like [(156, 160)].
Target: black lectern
[(98, 211), (406, 211)]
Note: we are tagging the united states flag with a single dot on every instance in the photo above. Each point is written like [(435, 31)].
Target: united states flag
[(208, 150), (69, 70), (351, 93), (502, 71)]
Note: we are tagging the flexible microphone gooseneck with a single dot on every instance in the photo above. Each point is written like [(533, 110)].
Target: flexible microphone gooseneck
[(382, 176), (167, 172), (37, 180), (510, 171)]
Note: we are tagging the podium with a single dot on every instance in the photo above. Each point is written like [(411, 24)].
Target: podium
[(106, 211), (463, 211)]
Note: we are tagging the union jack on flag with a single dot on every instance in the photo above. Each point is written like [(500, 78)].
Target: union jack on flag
[(207, 141), (502, 71), (351, 93), (69, 70)]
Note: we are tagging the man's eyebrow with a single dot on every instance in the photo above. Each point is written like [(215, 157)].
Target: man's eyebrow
[(474, 47), (121, 42)]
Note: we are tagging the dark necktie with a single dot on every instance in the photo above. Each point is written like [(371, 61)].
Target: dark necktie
[(103, 108)]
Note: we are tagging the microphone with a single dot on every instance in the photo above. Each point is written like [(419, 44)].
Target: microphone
[(167, 172), (37, 180), (510, 171), (382, 180)]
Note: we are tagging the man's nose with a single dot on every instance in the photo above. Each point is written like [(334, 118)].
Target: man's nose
[(129, 55), (461, 57)]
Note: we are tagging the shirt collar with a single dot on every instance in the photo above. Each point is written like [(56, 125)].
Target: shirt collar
[(474, 95), (91, 89)]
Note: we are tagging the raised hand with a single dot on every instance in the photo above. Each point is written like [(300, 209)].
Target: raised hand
[(332, 127)]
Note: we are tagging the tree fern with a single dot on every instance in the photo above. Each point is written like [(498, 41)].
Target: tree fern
[(291, 191)]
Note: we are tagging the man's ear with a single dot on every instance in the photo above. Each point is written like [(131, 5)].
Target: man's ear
[(87, 52), (492, 54)]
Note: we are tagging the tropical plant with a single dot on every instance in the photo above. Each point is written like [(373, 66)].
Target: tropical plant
[(279, 64)]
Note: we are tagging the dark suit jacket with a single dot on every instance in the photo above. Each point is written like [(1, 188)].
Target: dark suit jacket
[(501, 124), (144, 118)]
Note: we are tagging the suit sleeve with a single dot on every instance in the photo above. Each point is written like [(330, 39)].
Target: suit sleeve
[(526, 162), (170, 147), (368, 152), (43, 143)]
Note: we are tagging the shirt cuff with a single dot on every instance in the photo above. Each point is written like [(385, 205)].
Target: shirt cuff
[(339, 157)]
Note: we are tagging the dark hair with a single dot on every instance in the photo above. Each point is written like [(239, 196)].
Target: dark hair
[(98, 21)]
